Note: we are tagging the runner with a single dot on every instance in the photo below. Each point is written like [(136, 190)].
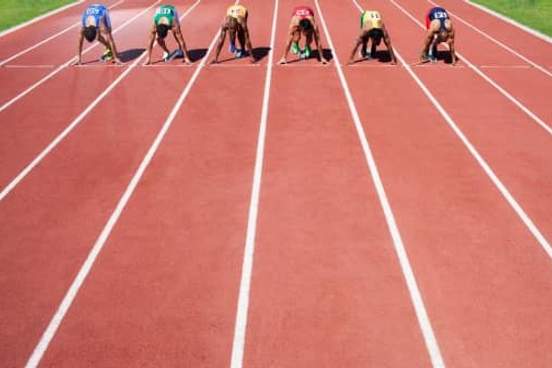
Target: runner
[(235, 23), (96, 25), (439, 29), (303, 24), (165, 20), (372, 28)]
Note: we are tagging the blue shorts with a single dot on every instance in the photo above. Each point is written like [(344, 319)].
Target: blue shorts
[(437, 13), (98, 14)]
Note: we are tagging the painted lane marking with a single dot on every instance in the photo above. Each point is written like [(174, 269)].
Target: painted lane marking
[(240, 329), (424, 322), (505, 93), (23, 52), (70, 61), (504, 46), (73, 290)]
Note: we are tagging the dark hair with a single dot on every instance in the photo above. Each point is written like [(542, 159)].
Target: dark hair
[(90, 33), (162, 30), (305, 24)]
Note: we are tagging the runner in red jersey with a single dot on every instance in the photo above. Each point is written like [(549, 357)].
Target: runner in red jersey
[(303, 24)]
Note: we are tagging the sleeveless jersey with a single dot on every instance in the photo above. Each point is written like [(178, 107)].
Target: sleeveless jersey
[(371, 19), (237, 11), (95, 15), (303, 12)]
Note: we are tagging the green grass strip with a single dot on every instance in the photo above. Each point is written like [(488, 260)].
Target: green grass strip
[(536, 14), (14, 12)]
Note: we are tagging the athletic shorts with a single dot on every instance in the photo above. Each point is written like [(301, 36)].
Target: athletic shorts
[(237, 11), (437, 13), (303, 12), (96, 15)]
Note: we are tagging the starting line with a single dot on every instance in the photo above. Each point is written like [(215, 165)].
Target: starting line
[(280, 66)]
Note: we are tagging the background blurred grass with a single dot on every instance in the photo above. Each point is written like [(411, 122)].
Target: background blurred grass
[(536, 14), (13, 12)]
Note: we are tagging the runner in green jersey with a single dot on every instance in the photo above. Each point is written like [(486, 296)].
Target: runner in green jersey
[(165, 20)]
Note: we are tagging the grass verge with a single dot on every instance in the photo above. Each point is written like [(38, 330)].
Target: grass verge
[(14, 12)]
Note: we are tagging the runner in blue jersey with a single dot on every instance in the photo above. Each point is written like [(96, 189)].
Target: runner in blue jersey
[(96, 25), (439, 29)]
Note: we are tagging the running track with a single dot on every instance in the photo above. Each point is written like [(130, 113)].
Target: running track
[(277, 216)]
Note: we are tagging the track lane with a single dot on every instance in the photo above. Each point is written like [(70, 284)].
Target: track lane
[(186, 226), (326, 287), (15, 81), (485, 280), (516, 148), (49, 225), (30, 125), (34, 33), (529, 86), (536, 49)]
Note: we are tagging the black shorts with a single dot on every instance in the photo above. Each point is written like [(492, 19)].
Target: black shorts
[(375, 34)]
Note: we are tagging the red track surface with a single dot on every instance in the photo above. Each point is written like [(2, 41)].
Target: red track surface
[(327, 289)]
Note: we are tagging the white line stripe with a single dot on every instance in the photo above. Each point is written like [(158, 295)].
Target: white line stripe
[(504, 46), (23, 52), (7, 190), (531, 31), (35, 66), (240, 329), (505, 93), (39, 18), (414, 292), (73, 290), (481, 161), (70, 61)]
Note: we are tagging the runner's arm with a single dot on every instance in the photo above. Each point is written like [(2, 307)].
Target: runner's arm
[(150, 44), (451, 46), (387, 41), (427, 42), (220, 42), (355, 48), (181, 43), (292, 31), (248, 42), (113, 47), (81, 41), (318, 43)]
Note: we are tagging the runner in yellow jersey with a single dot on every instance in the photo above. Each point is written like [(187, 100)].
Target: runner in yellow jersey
[(372, 28), (235, 23)]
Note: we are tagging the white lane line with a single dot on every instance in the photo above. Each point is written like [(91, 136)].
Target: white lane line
[(35, 66), (70, 61), (408, 273), (531, 31), (504, 46), (23, 52), (240, 328), (15, 181), (73, 290), (505, 93), (481, 161), (37, 19)]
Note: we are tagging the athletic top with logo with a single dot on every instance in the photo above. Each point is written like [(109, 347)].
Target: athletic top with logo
[(303, 12), (96, 15), (437, 13), (165, 14), (371, 19), (237, 11)]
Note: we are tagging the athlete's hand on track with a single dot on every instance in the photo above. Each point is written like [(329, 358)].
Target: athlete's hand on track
[(282, 61), (214, 61), (148, 62), (323, 61), (187, 60)]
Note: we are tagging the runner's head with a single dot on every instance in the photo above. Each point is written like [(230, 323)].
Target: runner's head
[(162, 30), (305, 25), (90, 33)]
